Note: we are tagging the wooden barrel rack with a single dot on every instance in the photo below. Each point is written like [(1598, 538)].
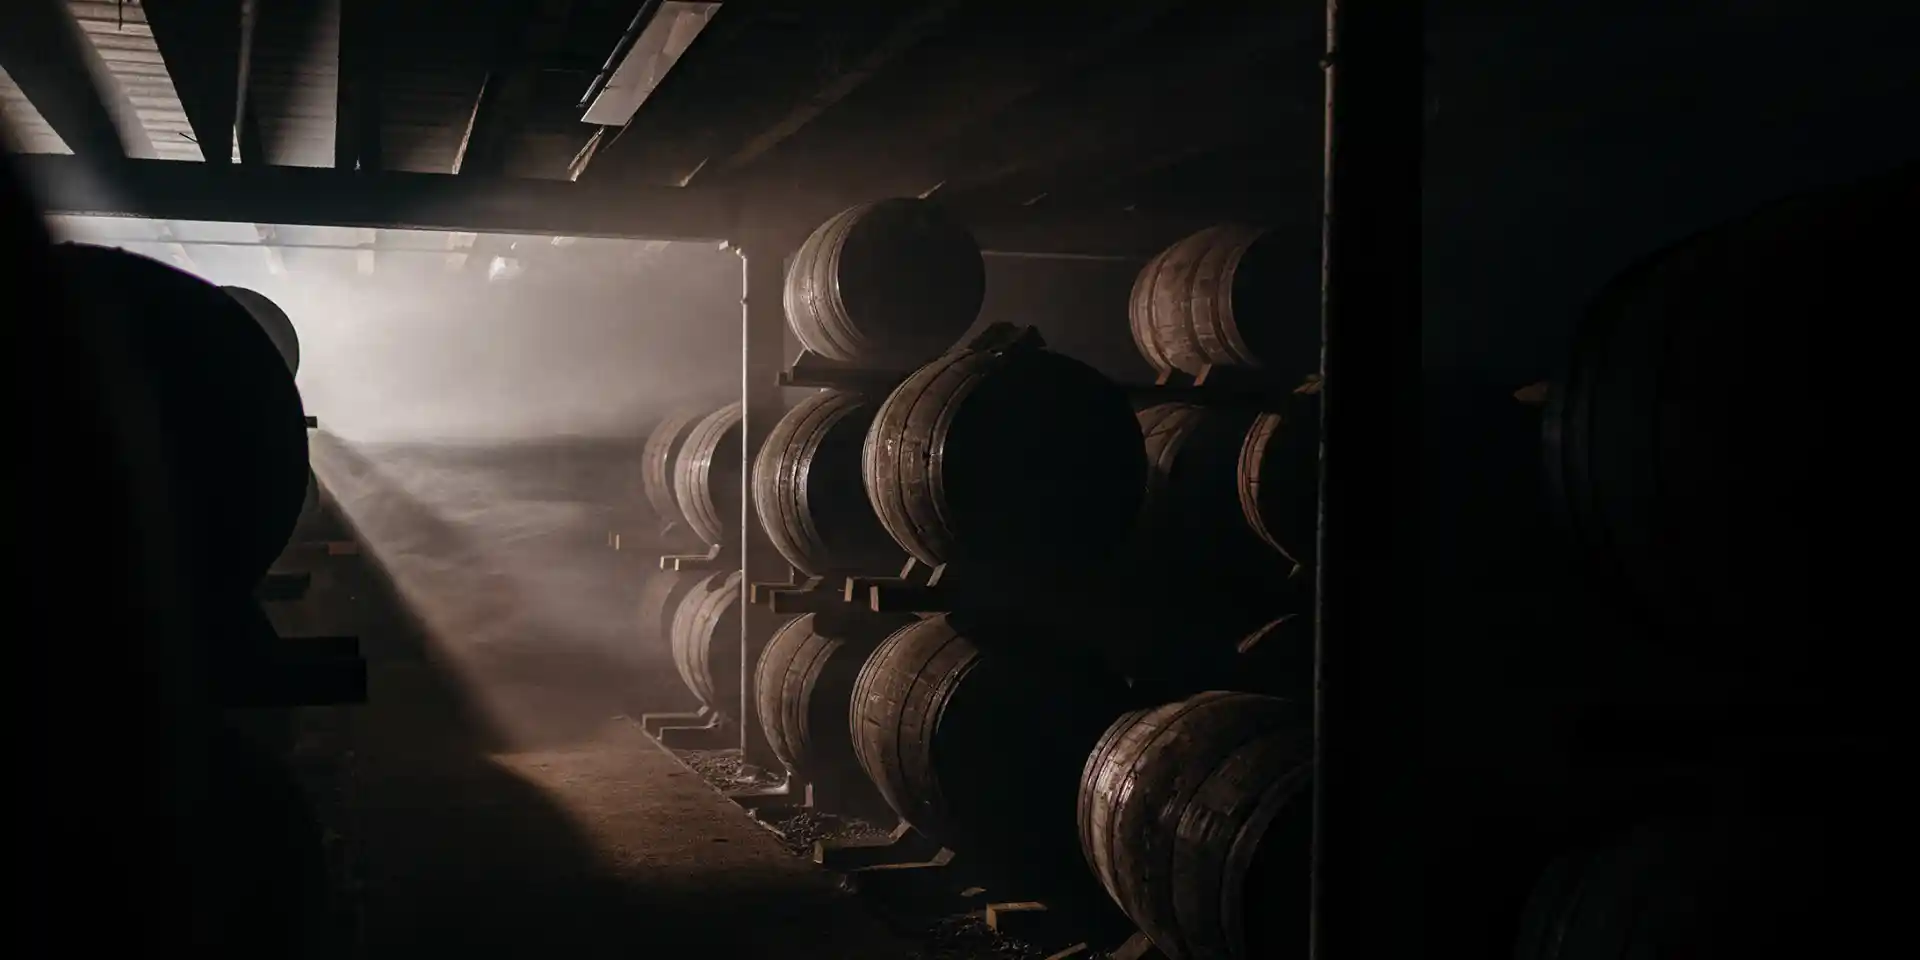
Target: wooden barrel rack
[(938, 465), (1196, 818), (973, 729), (803, 688)]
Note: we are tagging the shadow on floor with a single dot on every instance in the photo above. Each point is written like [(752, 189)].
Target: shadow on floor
[(495, 802)]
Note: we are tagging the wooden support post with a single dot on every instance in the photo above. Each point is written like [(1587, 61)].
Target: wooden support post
[(1366, 786), (763, 331)]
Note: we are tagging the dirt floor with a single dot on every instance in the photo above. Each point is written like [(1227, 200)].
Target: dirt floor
[(579, 837)]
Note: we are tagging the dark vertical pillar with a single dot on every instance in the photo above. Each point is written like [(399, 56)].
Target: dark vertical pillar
[(1368, 863), (202, 44), (762, 354), (357, 119)]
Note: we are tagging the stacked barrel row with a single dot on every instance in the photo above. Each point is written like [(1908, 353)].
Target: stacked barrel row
[(691, 477), (1019, 726), (1714, 503)]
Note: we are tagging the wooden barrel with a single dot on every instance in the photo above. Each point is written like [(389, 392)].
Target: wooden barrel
[(981, 748), (1694, 465), (804, 687), (1016, 465), (231, 422), (1196, 817), (886, 284), (1140, 304), (1730, 886), (706, 476), (1190, 518), (1278, 478), (310, 501), (808, 492), (706, 642), (273, 321), (1229, 296), (657, 459), (660, 599)]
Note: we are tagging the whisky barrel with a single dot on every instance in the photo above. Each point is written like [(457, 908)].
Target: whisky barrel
[(1694, 464), (1196, 817), (1229, 296), (1720, 886), (706, 476), (659, 601), (310, 501), (1015, 465), (975, 737), (803, 685), (1140, 304), (1278, 477), (273, 321), (657, 459), (808, 492), (887, 284), (706, 641), (1190, 517), (230, 420)]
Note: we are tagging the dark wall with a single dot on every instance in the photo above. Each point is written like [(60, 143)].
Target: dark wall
[(1080, 307), (1570, 138)]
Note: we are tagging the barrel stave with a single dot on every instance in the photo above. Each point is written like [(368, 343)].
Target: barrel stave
[(658, 457), (1176, 815), (706, 476), (886, 284), (1277, 478), (1018, 466), (809, 493)]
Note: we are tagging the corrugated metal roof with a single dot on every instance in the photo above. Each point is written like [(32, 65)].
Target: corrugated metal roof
[(120, 35), (295, 82)]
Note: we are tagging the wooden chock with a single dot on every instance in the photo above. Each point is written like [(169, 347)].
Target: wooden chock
[(653, 723), (1137, 947)]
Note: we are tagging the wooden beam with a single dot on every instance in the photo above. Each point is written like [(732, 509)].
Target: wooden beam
[(200, 41), (902, 38), (166, 190), (893, 137), (44, 52), (505, 100), (1182, 85), (423, 201)]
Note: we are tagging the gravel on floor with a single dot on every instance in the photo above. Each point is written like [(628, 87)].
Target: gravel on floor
[(957, 936)]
